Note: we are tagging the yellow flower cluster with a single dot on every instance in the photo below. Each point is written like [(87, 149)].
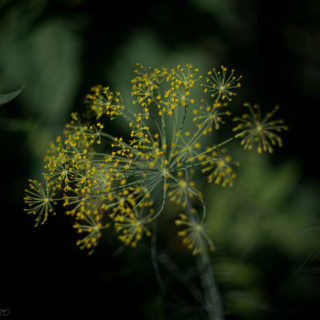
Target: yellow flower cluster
[(104, 180), (102, 101), (259, 130), (194, 235), (220, 84)]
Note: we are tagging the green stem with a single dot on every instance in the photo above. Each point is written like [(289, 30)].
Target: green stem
[(177, 137), (211, 292), (212, 295)]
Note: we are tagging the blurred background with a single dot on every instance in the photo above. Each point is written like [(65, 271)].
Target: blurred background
[(266, 229)]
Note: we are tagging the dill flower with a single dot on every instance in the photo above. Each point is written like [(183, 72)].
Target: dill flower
[(104, 102), (221, 86), (220, 164), (125, 178), (90, 223), (145, 84), (181, 190), (194, 235), (210, 115), (58, 173), (40, 200), (260, 131), (181, 84), (132, 226)]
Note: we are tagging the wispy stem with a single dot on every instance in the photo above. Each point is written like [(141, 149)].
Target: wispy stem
[(213, 300)]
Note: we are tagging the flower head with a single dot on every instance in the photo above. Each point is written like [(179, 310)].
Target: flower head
[(132, 226), (210, 115), (260, 131), (181, 190), (102, 101), (90, 223), (39, 199), (195, 234), (182, 81), (220, 164), (220, 85)]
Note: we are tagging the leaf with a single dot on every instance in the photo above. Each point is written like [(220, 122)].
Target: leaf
[(5, 98)]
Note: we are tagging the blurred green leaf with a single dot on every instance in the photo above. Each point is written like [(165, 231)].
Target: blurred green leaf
[(46, 57), (5, 98), (260, 208), (14, 125)]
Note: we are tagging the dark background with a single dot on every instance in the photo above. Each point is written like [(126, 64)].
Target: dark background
[(59, 50)]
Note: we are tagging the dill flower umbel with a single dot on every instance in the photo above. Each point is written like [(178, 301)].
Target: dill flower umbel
[(195, 234), (40, 200), (220, 85), (220, 164), (90, 223), (260, 131), (125, 182), (209, 115), (132, 226)]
